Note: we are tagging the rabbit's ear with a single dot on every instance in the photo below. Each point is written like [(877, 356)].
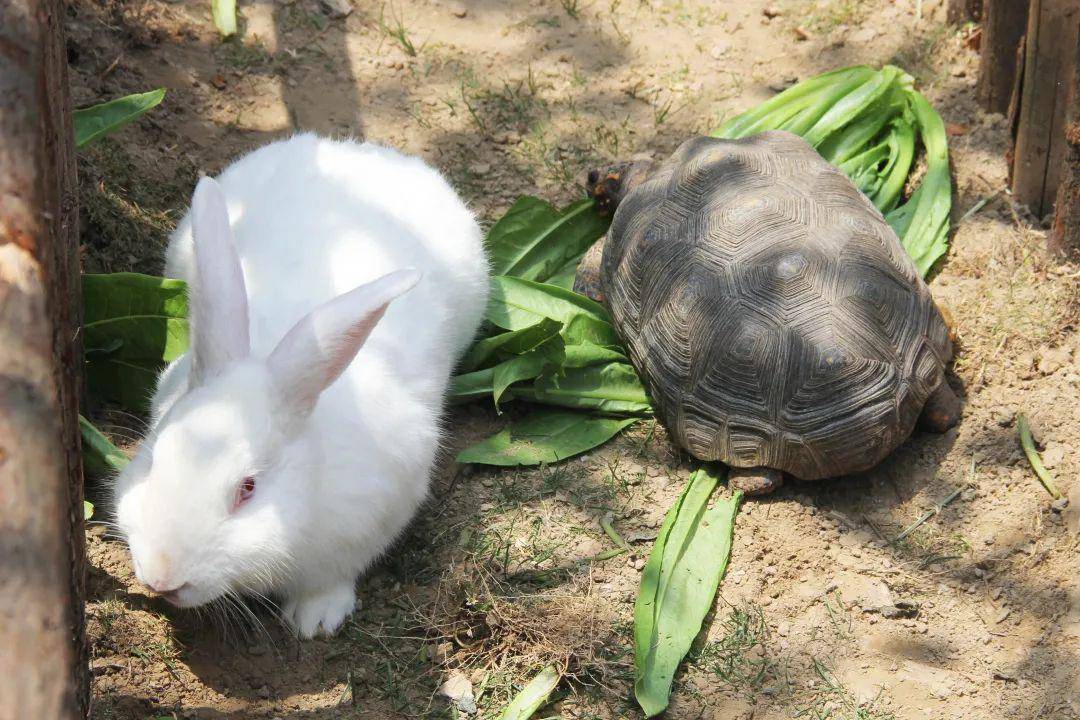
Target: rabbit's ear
[(323, 343), (219, 306)]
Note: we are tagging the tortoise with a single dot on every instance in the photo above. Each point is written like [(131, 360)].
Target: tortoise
[(773, 314)]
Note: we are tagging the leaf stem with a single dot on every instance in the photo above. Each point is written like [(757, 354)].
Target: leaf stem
[(609, 529), (1028, 443)]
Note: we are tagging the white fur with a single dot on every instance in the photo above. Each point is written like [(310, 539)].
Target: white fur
[(311, 219)]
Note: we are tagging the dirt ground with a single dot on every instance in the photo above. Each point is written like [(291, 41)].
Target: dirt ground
[(976, 614)]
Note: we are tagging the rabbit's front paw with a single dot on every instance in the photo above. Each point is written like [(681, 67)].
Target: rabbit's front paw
[(320, 611)]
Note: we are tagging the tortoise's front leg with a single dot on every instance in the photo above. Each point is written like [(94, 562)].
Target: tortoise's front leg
[(587, 280)]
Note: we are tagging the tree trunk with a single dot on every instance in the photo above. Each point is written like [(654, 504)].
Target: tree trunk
[(1049, 64), (43, 669), (961, 11), (1065, 233), (1004, 22)]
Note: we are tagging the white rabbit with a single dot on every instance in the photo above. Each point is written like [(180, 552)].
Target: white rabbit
[(293, 443)]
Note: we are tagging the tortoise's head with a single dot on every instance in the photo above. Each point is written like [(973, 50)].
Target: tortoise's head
[(609, 185)]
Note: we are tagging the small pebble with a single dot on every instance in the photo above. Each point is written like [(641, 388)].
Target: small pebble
[(1053, 456)]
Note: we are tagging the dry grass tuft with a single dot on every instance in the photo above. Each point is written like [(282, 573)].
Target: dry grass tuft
[(498, 626)]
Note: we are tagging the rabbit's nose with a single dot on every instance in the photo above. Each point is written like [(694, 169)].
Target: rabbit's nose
[(156, 573), (168, 587), (172, 594)]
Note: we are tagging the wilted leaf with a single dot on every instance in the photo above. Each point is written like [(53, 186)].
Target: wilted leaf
[(533, 240), (533, 696), (133, 324), (93, 122), (678, 585), (544, 436), (100, 457)]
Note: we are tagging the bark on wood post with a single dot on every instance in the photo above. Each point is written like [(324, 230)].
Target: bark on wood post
[(1004, 23), (1049, 64), (1065, 233), (43, 670), (959, 11)]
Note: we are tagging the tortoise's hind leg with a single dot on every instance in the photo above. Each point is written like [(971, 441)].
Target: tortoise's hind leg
[(942, 410), (755, 481)]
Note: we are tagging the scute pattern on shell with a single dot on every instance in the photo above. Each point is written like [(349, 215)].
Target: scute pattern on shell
[(770, 309)]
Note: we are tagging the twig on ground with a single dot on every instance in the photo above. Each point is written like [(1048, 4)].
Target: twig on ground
[(927, 515), (978, 206)]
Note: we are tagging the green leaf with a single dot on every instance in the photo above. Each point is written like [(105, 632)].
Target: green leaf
[(544, 436), (613, 388), (88, 509), (132, 325), (514, 342), (546, 354), (923, 221), (100, 456), (516, 304), (224, 12), (815, 91), (586, 353), (94, 122), (532, 364), (867, 122), (533, 696), (565, 276), (851, 106), (678, 586), (474, 385), (533, 240)]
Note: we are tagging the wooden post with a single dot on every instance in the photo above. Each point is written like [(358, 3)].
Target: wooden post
[(960, 11), (1004, 23), (43, 669), (1049, 64), (1065, 233)]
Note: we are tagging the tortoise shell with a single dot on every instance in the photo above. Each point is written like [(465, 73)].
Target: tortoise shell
[(771, 310)]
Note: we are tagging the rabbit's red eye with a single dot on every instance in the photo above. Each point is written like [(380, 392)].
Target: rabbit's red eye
[(245, 491)]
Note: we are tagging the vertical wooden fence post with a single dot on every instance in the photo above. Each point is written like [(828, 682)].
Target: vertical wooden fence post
[(958, 11), (1004, 23), (43, 669), (1049, 64), (1065, 233)]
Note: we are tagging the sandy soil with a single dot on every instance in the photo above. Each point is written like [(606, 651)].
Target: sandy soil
[(974, 615)]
